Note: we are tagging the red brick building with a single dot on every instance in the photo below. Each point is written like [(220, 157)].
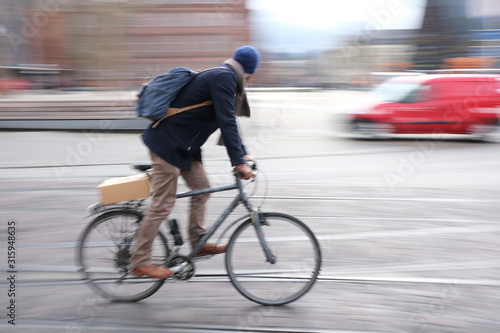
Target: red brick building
[(147, 39), (110, 43)]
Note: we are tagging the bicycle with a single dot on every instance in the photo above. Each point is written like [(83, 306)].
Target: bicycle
[(271, 258)]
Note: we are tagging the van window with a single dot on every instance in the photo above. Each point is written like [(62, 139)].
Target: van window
[(400, 92)]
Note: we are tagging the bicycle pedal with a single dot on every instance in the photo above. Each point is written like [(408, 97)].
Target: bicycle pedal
[(182, 267)]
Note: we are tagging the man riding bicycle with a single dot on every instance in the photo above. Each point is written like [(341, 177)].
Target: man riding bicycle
[(175, 150)]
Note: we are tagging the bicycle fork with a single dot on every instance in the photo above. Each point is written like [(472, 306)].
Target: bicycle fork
[(257, 223)]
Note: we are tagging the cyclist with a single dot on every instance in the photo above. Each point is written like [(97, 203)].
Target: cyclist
[(175, 149)]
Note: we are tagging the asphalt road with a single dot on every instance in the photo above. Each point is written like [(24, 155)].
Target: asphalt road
[(408, 227)]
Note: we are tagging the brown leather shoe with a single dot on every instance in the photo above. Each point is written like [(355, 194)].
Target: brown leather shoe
[(153, 271), (212, 248)]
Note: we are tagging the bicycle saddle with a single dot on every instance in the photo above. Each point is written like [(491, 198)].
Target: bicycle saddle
[(142, 166)]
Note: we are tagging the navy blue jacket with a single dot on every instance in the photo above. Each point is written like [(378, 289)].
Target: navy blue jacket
[(178, 139)]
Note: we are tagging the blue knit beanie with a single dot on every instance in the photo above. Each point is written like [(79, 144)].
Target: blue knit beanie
[(248, 57)]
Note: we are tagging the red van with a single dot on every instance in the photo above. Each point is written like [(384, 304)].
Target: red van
[(455, 104)]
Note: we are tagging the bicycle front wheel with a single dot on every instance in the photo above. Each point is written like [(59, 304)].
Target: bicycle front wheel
[(293, 274), (104, 253)]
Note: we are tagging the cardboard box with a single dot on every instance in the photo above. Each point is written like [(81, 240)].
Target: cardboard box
[(120, 189)]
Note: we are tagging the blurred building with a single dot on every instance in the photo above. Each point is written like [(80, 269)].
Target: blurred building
[(354, 65), (120, 43), (459, 33), (144, 39), (444, 33), (455, 34), (484, 16), (11, 53)]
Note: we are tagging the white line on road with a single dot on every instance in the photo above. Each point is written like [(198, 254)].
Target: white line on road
[(410, 233)]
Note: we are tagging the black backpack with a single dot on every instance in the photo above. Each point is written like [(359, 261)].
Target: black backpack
[(156, 97)]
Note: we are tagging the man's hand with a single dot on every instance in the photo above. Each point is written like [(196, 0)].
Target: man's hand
[(244, 171)]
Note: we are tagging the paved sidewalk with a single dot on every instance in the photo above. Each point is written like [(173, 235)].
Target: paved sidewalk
[(101, 110)]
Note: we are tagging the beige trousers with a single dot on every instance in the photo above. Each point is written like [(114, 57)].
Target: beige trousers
[(164, 183)]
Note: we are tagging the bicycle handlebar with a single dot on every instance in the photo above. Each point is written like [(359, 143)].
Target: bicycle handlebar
[(250, 164)]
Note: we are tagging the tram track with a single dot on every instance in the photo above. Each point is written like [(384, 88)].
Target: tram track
[(289, 156), (477, 227), (67, 274), (40, 325), (36, 276)]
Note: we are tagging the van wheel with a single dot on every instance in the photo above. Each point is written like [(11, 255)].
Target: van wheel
[(486, 132)]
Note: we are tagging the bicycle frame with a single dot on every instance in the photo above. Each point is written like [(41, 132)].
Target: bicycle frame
[(244, 262), (240, 198)]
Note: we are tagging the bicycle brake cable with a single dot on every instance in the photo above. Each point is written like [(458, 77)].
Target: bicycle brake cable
[(257, 183)]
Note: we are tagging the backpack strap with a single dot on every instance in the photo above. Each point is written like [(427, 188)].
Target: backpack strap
[(174, 111)]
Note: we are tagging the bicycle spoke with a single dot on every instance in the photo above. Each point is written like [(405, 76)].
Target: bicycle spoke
[(290, 277), (104, 255)]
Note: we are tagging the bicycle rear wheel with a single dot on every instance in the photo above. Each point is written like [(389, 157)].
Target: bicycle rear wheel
[(104, 253), (295, 271)]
